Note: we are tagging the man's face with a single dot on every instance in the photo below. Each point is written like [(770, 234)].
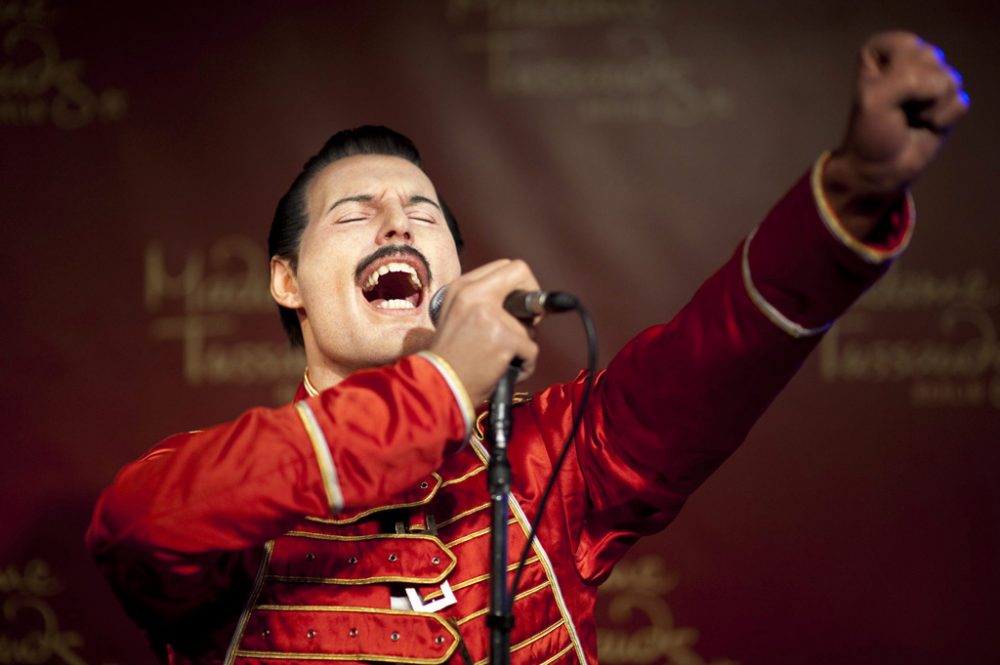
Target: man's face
[(376, 248)]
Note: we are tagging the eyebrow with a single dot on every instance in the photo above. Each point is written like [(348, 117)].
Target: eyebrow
[(423, 199), (363, 198), (367, 198)]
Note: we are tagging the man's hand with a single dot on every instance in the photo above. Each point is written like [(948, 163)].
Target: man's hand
[(907, 100), (476, 335)]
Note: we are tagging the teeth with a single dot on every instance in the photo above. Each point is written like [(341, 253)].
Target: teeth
[(396, 304), (392, 267)]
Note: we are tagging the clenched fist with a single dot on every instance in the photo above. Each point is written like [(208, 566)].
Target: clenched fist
[(907, 100)]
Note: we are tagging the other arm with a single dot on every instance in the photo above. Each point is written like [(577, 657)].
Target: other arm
[(165, 529), (679, 398)]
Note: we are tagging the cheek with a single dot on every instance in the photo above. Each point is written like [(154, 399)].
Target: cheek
[(446, 265), (452, 271), (325, 293), (326, 263)]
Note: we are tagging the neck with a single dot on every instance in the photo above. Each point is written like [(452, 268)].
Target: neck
[(322, 377)]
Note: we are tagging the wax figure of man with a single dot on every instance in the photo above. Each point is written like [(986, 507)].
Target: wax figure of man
[(351, 524)]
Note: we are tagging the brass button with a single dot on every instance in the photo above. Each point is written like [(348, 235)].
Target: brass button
[(436, 560), (353, 632), (439, 639), (424, 485), (311, 634), (394, 637), (393, 557), (352, 560)]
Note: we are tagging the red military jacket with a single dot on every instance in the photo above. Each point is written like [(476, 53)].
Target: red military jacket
[(283, 536)]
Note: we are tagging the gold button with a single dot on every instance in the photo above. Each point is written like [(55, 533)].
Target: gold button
[(352, 560), (439, 639), (353, 632), (393, 557), (436, 560), (311, 634), (424, 485), (394, 637)]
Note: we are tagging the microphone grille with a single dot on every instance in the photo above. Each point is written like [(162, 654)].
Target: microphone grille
[(434, 308)]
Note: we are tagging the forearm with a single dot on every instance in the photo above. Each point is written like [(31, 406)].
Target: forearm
[(240, 484)]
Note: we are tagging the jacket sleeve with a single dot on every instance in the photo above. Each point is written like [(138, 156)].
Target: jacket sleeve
[(680, 397), (168, 528)]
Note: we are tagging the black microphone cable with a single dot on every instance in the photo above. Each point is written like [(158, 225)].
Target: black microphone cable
[(591, 333), (526, 305)]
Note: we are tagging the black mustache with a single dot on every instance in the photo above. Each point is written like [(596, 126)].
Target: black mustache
[(393, 250)]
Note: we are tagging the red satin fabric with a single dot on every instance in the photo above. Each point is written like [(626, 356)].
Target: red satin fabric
[(181, 532)]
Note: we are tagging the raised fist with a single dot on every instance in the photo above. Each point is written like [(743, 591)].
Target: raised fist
[(907, 100)]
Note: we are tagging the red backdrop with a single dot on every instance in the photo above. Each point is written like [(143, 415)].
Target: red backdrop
[(622, 148)]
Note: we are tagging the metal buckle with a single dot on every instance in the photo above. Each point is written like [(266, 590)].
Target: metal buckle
[(447, 599)]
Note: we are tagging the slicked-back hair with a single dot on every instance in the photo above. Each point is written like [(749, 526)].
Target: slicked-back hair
[(291, 216)]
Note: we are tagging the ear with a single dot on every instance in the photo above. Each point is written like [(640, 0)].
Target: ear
[(284, 286)]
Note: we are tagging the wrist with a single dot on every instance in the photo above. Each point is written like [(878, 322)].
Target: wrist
[(886, 237), (860, 194)]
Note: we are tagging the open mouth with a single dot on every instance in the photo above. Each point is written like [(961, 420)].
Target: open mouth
[(393, 285)]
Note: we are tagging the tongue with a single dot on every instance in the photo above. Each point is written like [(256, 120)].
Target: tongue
[(394, 286)]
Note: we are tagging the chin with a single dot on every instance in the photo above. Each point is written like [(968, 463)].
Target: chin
[(416, 339), (391, 348)]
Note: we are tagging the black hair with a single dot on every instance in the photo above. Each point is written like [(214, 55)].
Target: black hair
[(291, 218)]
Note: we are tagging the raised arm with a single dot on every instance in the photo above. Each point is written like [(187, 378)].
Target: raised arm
[(680, 397)]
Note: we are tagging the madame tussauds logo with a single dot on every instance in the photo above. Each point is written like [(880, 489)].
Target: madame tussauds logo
[(640, 628), (626, 73), (30, 633), (38, 86), (948, 353), (205, 299)]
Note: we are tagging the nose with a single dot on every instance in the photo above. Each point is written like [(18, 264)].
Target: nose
[(394, 227)]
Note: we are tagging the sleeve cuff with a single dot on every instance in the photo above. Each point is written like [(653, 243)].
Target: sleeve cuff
[(455, 384), (801, 268), (873, 254)]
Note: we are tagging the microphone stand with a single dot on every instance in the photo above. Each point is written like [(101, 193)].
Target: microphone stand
[(501, 616)]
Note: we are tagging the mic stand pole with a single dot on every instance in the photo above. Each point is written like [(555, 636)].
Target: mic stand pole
[(501, 617)]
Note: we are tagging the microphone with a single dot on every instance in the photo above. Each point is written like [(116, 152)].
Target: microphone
[(522, 305)]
